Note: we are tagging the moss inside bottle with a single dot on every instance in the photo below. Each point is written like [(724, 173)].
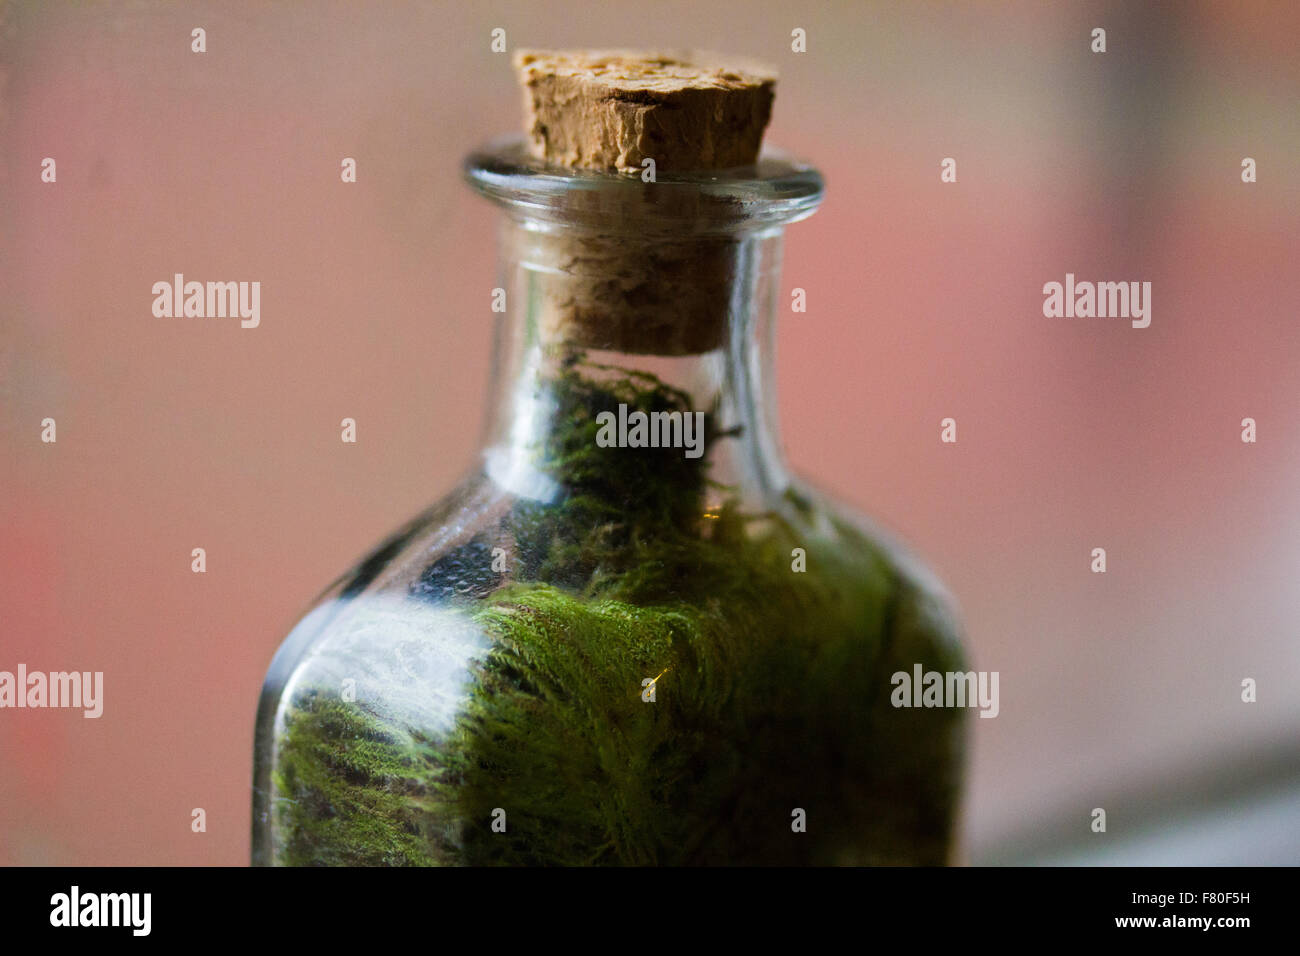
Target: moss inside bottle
[(630, 636)]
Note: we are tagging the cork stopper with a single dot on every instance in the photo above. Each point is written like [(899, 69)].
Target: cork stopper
[(612, 109), (641, 288)]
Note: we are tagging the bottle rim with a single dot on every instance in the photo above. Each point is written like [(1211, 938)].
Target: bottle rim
[(774, 191)]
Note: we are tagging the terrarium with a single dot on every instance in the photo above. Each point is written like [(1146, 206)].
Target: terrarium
[(631, 635)]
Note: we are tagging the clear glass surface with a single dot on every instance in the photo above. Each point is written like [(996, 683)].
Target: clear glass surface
[(609, 654)]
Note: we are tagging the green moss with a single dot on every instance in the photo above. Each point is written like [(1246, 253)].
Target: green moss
[(773, 694), (351, 788), (631, 511)]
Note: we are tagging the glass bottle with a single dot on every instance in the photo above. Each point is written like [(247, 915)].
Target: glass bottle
[(600, 651)]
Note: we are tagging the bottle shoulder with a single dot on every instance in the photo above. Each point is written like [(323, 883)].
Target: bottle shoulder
[(429, 580), (925, 609), (461, 658)]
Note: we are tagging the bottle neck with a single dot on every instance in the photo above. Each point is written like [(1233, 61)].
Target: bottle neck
[(651, 357)]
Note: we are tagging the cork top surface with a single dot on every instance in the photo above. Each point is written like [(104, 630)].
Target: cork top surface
[(614, 109), (656, 72)]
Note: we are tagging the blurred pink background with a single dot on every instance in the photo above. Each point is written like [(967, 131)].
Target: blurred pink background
[(1119, 690)]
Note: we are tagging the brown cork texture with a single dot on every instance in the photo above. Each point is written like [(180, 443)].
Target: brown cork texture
[(611, 109), (643, 289)]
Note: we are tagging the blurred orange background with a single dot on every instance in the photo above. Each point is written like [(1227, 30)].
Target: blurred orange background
[(1119, 690)]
